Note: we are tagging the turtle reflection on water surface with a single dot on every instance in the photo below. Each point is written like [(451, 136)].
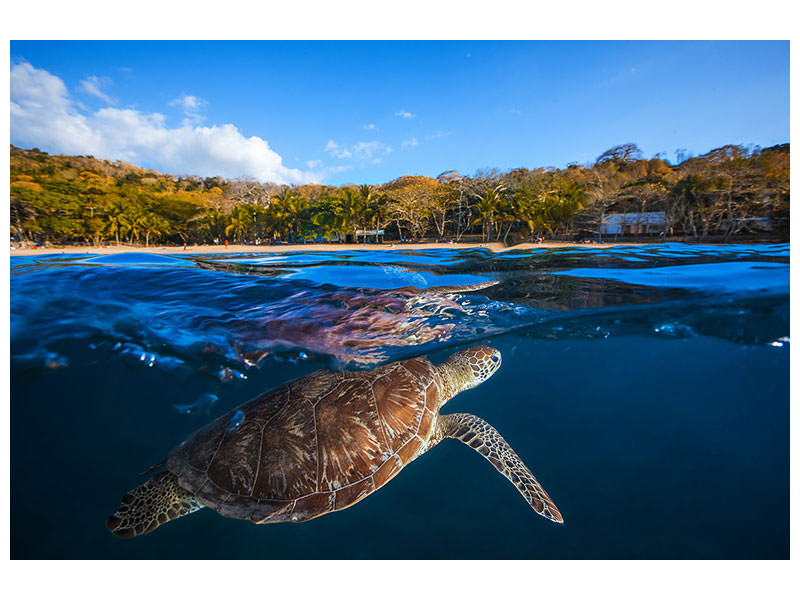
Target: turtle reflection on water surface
[(322, 443)]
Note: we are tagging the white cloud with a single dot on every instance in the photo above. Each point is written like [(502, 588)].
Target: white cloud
[(337, 151), (409, 143), (438, 134), (44, 115), (92, 84), (405, 114), (320, 173), (372, 152), (370, 127), (324, 173), (190, 105)]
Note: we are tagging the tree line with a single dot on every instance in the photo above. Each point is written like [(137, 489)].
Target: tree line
[(729, 192)]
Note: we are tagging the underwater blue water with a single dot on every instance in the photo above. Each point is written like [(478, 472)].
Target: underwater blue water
[(647, 388)]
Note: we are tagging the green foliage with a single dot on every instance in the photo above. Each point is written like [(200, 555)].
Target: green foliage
[(82, 200)]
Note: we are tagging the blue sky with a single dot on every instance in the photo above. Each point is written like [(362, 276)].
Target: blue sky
[(368, 112)]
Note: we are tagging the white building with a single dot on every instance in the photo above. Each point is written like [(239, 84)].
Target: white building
[(633, 223), (364, 233)]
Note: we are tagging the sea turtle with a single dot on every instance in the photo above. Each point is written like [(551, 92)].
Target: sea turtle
[(322, 443)]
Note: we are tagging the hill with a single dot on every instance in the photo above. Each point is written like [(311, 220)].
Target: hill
[(731, 192)]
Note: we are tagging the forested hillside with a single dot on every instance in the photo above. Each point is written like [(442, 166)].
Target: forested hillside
[(730, 193)]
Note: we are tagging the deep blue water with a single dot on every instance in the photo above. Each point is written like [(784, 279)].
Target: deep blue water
[(647, 389)]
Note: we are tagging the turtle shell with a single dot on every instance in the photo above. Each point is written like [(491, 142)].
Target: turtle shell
[(317, 444)]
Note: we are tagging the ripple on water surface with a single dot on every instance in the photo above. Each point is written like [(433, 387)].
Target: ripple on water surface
[(224, 315)]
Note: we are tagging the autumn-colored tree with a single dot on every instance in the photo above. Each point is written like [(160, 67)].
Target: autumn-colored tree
[(726, 193), (415, 201)]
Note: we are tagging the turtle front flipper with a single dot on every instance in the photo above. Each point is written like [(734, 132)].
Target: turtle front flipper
[(156, 501), (482, 437)]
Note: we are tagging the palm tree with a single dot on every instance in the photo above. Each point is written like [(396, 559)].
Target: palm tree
[(353, 205), (132, 220), (239, 223), (328, 215), (506, 216), (153, 224), (486, 208), (286, 211), (567, 200), (377, 211), (530, 209), (236, 229), (212, 225), (116, 220), (372, 207)]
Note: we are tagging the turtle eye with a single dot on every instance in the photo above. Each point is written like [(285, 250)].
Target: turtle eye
[(495, 358)]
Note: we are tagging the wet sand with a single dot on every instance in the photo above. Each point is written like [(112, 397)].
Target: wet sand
[(238, 249)]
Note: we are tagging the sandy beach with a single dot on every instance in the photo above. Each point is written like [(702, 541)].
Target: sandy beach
[(238, 249)]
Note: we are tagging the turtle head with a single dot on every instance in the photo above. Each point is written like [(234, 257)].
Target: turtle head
[(468, 368)]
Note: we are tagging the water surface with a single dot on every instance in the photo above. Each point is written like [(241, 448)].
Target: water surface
[(646, 387)]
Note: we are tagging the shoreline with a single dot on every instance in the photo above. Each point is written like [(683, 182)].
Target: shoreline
[(495, 247)]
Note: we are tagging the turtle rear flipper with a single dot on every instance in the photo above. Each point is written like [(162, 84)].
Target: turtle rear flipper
[(156, 501)]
